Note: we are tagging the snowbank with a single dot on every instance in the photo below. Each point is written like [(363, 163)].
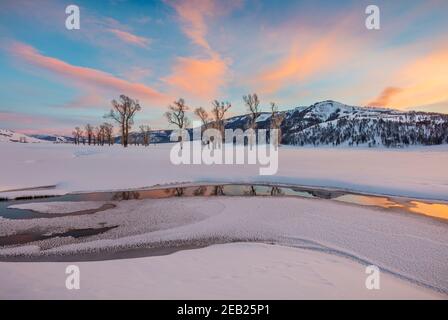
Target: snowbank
[(415, 172), (230, 271), (410, 246)]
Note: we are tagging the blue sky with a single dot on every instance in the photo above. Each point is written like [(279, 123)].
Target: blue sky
[(291, 52)]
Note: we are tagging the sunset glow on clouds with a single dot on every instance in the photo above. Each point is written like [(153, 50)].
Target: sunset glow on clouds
[(422, 82), (83, 76), (291, 52)]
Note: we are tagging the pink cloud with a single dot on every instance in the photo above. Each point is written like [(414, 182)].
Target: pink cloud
[(131, 38), (13, 117), (200, 78), (194, 13), (87, 77), (385, 97), (87, 100)]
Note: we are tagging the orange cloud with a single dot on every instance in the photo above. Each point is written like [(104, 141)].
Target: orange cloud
[(86, 77), (192, 14), (198, 77), (386, 95), (423, 81), (310, 53), (130, 38)]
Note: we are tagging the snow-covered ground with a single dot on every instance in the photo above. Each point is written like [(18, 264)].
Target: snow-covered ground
[(407, 245), (414, 172), (230, 271), (340, 239)]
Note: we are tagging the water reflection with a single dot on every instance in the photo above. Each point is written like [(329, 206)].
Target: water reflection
[(430, 209), (126, 195), (39, 235), (382, 202), (438, 210)]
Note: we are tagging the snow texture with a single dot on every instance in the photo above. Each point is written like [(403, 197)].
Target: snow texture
[(230, 271), (414, 172)]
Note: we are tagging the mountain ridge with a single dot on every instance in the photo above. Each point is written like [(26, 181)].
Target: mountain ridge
[(333, 123)]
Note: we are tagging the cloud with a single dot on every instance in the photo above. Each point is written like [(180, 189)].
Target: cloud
[(193, 15), (33, 123), (385, 97), (87, 100), (305, 53), (22, 119), (86, 77), (424, 81), (131, 38), (200, 78)]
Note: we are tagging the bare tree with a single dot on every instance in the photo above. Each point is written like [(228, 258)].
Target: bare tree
[(219, 110), (145, 131), (97, 135), (108, 130), (77, 135), (75, 140), (123, 113), (202, 114), (176, 114), (89, 133), (276, 121), (100, 135), (253, 106)]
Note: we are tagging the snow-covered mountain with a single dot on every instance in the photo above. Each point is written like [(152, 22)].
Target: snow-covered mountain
[(53, 138), (333, 123), (323, 123), (11, 136)]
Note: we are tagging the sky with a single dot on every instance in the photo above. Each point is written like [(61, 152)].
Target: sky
[(290, 52)]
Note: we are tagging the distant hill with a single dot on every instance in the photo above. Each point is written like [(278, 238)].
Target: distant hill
[(11, 136), (53, 138), (333, 123), (327, 123)]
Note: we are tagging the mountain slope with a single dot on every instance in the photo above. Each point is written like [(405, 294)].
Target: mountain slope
[(333, 123), (11, 136), (52, 138)]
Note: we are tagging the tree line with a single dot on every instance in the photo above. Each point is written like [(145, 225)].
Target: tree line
[(124, 110)]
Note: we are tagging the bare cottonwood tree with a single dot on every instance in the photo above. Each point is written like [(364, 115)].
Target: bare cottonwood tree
[(219, 110), (108, 131), (176, 114), (123, 113), (145, 131), (98, 135), (253, 106), (276, 122), (77, 135), (89, 133), (202, 114)]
